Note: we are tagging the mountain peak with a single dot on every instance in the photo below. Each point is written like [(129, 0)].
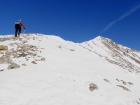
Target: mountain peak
[(98, 38), (101, 38)]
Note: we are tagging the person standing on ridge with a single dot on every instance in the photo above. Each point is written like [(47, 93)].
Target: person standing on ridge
[(18, 25)]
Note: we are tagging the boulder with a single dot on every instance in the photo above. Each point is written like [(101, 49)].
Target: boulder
[(3, 47)]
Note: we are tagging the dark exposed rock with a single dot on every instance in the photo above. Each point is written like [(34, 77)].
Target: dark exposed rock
[(33, 62), (117, 80), (2, 70), (130, 83), (93, 86), (124, 82), (107, 80), (124, 88)]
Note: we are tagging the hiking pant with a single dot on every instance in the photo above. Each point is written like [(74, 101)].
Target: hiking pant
[(17, 31)]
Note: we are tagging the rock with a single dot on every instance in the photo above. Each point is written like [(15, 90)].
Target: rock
[(15, 55), (93, 86), (23, 55), (106, 80), (24, 64), (3, 47), (13, 66), (12, 49), (18, 46), (130, 83), (8, 53), (2, 70), (117, 80), (59, 46), (120, 86), (72, 50), (23, 48), (124, 82), (43, 59), (5, 59), (124, 88), (33, 62)]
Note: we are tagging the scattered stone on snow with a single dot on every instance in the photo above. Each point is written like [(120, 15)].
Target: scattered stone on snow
[(2, 70), (130, 83), (124, 88), (33, 62), (59, 46), (43, 59), (15, 55), (17, 50), (117, 80), (124, 82), (93, 86), (8, 53), (72, 50), (24, 64), (107, 80), (13, 66)]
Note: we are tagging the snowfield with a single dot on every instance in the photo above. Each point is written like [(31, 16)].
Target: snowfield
[(64, 77)]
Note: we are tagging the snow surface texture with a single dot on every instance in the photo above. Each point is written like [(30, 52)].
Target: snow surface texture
[(64, 77)]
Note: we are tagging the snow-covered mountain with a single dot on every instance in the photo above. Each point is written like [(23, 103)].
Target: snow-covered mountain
[(117, 54), (46, 70)]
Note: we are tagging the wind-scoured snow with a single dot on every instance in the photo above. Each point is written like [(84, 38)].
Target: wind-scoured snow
[(64, 77)]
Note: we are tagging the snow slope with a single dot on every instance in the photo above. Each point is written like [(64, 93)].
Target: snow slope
[(64, 77)]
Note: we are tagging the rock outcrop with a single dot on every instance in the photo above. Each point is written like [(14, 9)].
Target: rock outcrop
[(2, 47)]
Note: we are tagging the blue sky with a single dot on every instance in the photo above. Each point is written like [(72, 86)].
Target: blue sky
[(75, 20)]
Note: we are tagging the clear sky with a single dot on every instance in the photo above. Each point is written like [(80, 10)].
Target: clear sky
[(75, 20)]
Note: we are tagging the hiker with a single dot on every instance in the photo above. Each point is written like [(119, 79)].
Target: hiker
[(18, 25)]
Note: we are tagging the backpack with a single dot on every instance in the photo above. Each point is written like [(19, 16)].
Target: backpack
[(17, 22)]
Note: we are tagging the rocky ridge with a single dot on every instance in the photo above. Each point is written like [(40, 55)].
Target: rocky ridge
[(19, 49), (114, 53)]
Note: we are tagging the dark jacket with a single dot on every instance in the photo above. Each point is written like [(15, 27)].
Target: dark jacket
[(19, 24)]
